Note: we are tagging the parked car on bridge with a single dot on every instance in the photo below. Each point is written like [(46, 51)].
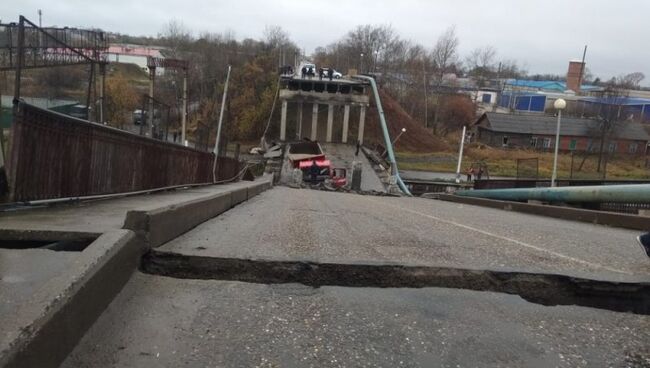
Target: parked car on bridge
[(335, 75), (307, 65)]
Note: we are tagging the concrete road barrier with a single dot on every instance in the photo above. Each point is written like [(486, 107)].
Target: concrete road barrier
[(258, 188), (238, 196), (45, 330), (166, 223)]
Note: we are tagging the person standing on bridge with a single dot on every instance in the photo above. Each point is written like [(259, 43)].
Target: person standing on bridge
[(479, 173), (314, 170), (470, 173), (303, 72), (644, 242), (321, 73), (330, 73)]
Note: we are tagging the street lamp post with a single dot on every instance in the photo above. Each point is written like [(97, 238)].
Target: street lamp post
[(361, 63), (394, 140), (376, 57), (399, 135), (559, 105)]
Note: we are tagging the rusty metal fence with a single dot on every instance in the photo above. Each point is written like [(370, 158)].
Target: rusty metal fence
[(57, 156)]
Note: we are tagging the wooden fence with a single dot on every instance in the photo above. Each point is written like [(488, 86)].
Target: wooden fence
[(58, 156)]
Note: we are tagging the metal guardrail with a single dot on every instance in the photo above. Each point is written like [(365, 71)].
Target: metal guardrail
[(57, 156)]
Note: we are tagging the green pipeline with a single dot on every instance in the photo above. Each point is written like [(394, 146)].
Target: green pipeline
[(627, 193)]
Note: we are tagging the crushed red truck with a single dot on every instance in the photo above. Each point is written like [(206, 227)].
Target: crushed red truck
[(304, 155)]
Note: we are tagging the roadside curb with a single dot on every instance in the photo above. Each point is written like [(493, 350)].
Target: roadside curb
[(623, 220)]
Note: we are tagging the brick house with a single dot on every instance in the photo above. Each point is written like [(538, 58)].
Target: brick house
[(576, 134)]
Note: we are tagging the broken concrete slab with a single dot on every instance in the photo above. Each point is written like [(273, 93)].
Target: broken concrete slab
[(66, 300), (50, 298)]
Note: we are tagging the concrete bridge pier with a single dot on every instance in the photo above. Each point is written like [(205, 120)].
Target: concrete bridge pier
[(330, 122), (283, 121), (344, 93), (314, 122), (362, 122), (299, 121), (346, 123)]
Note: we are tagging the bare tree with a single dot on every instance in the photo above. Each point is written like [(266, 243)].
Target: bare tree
[(280, 42), (175, 35), (445, 52), (510, 69), (630, 81), (480, 63), (610, 119), (481, 59), (444, 55)]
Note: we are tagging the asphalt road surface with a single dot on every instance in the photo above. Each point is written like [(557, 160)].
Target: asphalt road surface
[(301, 224), (160, 321), (164, 322)]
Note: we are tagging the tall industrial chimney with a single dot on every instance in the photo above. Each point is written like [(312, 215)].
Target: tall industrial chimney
[(574, 75)]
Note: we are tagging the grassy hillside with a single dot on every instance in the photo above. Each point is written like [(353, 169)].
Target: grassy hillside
[(503, 162)]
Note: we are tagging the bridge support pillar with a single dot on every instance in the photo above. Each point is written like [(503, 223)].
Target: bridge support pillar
[(362, 121), (346, 123), (330, 122), (299, 122), (314, 122), (283, 121)]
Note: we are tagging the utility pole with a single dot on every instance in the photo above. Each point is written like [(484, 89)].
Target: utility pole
[(184, 113), (426, 99), (216, 144), (152, 77), (501, 86), (102, 89), (582, 67), (460, 154)]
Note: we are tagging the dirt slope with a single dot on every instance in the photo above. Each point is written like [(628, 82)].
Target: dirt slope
[(416, 138)]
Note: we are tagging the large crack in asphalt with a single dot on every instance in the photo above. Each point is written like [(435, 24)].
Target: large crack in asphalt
[(540, 288)]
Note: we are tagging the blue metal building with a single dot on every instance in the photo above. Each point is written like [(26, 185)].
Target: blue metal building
[(523, 101)]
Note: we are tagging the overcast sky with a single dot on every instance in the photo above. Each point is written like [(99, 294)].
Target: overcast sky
[(541, 35)]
